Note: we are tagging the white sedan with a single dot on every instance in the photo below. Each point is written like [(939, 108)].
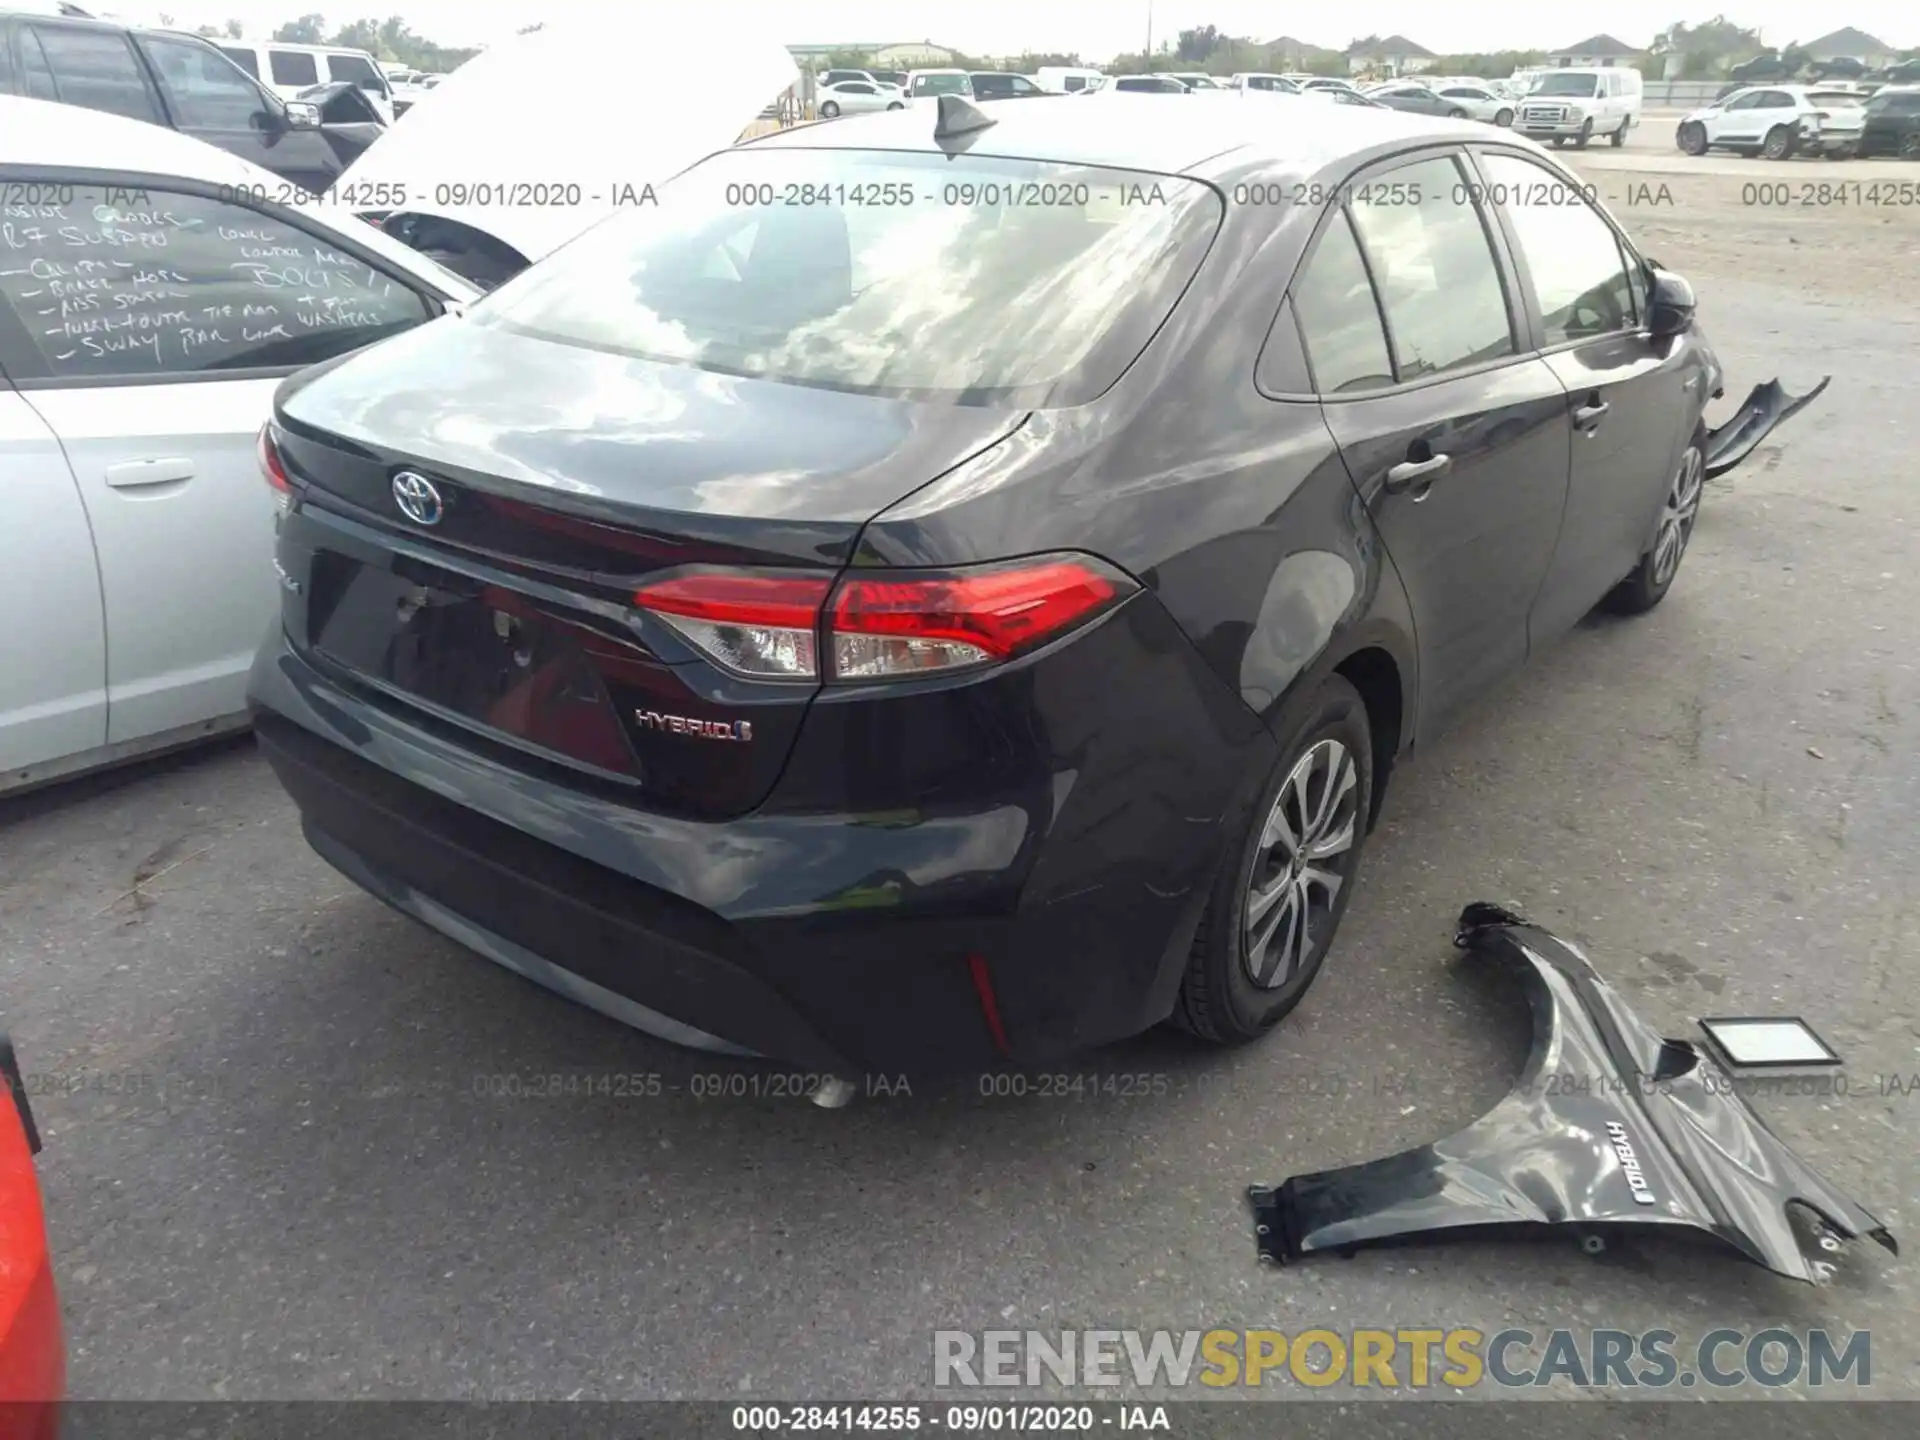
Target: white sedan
[(1482, 102), (152, 296), (851, 97)]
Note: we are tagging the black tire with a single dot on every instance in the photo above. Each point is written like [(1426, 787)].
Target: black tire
[(1585, 137), (1456, 113), (1910, 146), (1779, 143), (1619, 136), (1220, 1000), (1691, 138), (829, 109), (1650, 580), (895, 105), (1559, 141), (1503, 118)]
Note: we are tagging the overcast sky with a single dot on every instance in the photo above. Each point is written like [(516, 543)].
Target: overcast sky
[(1099, 28)]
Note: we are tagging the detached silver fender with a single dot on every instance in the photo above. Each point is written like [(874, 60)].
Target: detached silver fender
[(1608, 1126), (1766, 406)]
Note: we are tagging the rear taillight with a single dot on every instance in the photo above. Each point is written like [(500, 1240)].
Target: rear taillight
[(274, 469), (764, 626), (882, 625)]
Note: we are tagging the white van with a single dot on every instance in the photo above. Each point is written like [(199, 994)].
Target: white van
[(1068, 79), (1581, 105), (288, 69)]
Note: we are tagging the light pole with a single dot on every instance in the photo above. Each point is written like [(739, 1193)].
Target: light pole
[(1149, 51)]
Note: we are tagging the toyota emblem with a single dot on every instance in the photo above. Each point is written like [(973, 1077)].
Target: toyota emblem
[(417, 498)]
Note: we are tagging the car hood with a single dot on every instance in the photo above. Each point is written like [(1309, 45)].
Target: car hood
[(634, 440), (539, 137)]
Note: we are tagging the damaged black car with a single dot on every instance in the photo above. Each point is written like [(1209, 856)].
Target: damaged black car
[(952, 586)]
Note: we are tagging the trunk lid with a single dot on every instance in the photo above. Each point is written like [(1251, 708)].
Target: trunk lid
[(561, 479)]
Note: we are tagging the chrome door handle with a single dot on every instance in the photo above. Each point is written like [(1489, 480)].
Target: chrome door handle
[(1586, 417), (1409, 473), (133, 474)]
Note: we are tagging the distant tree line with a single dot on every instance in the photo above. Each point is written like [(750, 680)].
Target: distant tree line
[(391, 40)]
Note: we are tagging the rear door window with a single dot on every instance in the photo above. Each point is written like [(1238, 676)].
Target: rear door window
[(1426, 244), (293, 67), (97, 69)]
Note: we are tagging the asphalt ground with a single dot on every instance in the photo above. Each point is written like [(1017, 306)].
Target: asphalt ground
[(278, 1164)]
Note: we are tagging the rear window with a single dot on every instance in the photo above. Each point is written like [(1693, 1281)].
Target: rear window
[(977, 280), (1831, 99)]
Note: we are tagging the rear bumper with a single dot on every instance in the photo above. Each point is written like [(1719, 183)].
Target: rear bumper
[(850, 944)]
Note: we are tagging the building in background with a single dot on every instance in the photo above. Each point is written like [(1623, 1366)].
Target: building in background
[(1395, 55), (1595, 52), (1852, 44)]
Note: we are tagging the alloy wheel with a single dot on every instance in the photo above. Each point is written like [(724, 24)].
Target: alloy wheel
[(1306, 849), (1676, 520)]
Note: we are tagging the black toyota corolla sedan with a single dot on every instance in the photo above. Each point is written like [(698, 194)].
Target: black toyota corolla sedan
[(945, 588)]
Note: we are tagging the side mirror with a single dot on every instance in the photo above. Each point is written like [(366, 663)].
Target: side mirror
[(1670, 304), (303, 116)]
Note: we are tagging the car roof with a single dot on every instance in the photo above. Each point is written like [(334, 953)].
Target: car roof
[(1130, 131), (45, 133)]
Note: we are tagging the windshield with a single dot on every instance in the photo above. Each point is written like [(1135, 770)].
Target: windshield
[(1906, 104), (941, 85), (880, 272), (1567, 85)]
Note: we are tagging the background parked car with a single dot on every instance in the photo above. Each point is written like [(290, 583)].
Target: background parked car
[(135, 533), (852, 97), (1482, 102), (291, 68), (1069, 79), (1197, 80), (1776, 121), (1415, 99), (1892, 123), (1148, 85), (1004, 85), (840, 77), (179, 81), (923, 84), (1252, 81)]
